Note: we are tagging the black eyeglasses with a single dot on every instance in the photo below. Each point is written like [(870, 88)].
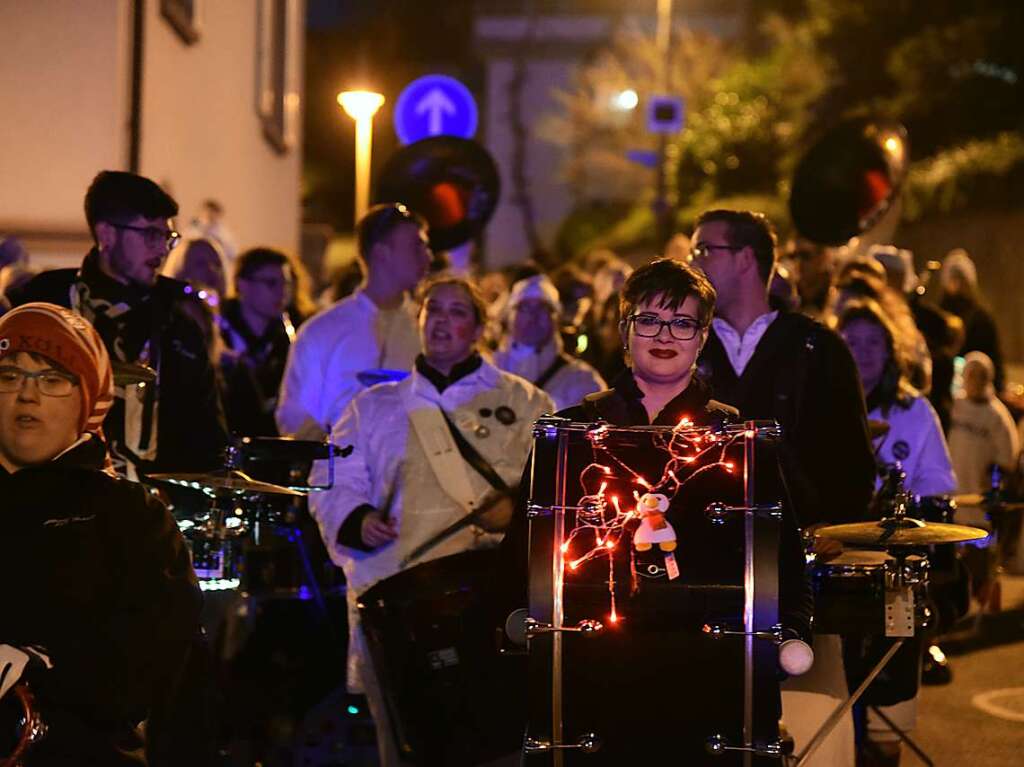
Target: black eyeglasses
[(702, 250), (154, 236), (649, 326)]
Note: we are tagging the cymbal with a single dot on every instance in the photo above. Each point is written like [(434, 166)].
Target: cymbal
[(979, 499), (233, 480), (904, 531), (127, 373)]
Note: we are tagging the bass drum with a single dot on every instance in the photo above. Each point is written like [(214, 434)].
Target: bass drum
[(20, 725), (452, 697)]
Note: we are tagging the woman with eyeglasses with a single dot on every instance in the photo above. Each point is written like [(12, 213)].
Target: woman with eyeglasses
[(666, 308)]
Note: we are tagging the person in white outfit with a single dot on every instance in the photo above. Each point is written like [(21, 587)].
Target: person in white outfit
[(365, 338), (914, 441), (533, 345), (981, 435), (388, 498)]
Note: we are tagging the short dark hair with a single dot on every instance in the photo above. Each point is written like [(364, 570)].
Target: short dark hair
[(674, 281), (117, 196), (747, 228), (476, 298), (256, 258), (379, 222)]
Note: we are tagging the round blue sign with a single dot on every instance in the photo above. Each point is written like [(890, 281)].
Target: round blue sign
[(435, 105)]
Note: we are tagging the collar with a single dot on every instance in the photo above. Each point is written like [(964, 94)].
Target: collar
[(623, 403), (757, 327), (366, 303), (459, 371), (104, 287), (87, 452)]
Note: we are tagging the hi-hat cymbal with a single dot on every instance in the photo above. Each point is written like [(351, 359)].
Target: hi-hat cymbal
[(904, 531), (233, 480), (127, 373)]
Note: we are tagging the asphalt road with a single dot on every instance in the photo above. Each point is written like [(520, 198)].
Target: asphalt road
[(978, 719)]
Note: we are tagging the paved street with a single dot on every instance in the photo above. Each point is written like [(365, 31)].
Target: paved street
[(978, 720)]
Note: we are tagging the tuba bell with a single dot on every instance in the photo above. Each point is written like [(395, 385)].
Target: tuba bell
[(849, 181), (452, 182), (26, 723)]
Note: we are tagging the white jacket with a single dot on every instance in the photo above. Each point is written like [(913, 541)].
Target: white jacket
[(915, 441), (388, 467), (331, 349), (574, 381), (980, 434)]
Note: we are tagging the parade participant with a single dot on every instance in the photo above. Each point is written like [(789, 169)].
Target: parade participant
[(914, 438), (533, 345), (371, 331), (104, 623), (395, 490), (666, 308), (792, 369), (178, 424), (914, 441), (961, 295), (257, 330)]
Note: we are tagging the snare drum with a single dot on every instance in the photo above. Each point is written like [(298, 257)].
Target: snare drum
[(850, 591), (216, 560)]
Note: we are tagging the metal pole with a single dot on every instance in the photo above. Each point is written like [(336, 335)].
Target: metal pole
[(364, 142), (663, 41), (557, 601), (749, 443)]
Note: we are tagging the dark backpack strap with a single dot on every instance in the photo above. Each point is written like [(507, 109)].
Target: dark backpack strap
[(560, 362), (472, 456)]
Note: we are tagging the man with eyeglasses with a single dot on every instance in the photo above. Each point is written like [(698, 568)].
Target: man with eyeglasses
[(365, 338), (100, 602), (787, 367), (178, 423), (257, 328)]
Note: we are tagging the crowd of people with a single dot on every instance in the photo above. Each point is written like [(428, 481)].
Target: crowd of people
[(158, 352)]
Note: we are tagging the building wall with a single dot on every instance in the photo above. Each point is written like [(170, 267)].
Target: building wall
[(64, 86), (201, 134)]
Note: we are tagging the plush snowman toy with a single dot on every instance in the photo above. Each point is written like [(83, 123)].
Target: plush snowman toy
[(654, 528)]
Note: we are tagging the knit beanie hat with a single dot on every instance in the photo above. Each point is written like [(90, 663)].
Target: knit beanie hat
[(67, 339), (537, 287)]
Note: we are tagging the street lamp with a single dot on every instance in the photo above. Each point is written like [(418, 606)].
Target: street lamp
[(361, 106)]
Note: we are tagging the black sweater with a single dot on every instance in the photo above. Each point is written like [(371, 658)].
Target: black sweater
[(93, 569)]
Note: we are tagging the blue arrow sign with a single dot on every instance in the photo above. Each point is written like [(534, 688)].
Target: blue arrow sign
[(435, 105)]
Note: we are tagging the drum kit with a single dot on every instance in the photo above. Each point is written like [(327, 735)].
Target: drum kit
[(226, 536), (880, 588)]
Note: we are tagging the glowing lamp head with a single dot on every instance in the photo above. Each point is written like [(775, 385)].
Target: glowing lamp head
[(360, 105)]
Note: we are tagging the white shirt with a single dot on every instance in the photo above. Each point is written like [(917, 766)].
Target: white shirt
[(739, 349), (573, 381), (915, 441), (980, 434), (330, 350)]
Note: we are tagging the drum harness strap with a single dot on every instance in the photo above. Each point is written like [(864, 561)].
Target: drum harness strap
[(552, 370), (437, 443)]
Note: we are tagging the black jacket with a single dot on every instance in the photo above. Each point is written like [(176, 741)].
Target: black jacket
[(93, 569), (191, 432), (802, 375)]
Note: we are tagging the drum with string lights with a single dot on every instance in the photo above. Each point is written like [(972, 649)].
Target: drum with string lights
[(653, 621)]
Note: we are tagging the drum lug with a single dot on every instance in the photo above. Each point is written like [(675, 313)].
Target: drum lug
[(586, 627), (588, 743), (718, 513), (717, 632), (718, 745), (547, 427)]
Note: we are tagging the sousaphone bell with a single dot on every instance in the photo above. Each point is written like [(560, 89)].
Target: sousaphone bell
[(848, 180), (452, 182)]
